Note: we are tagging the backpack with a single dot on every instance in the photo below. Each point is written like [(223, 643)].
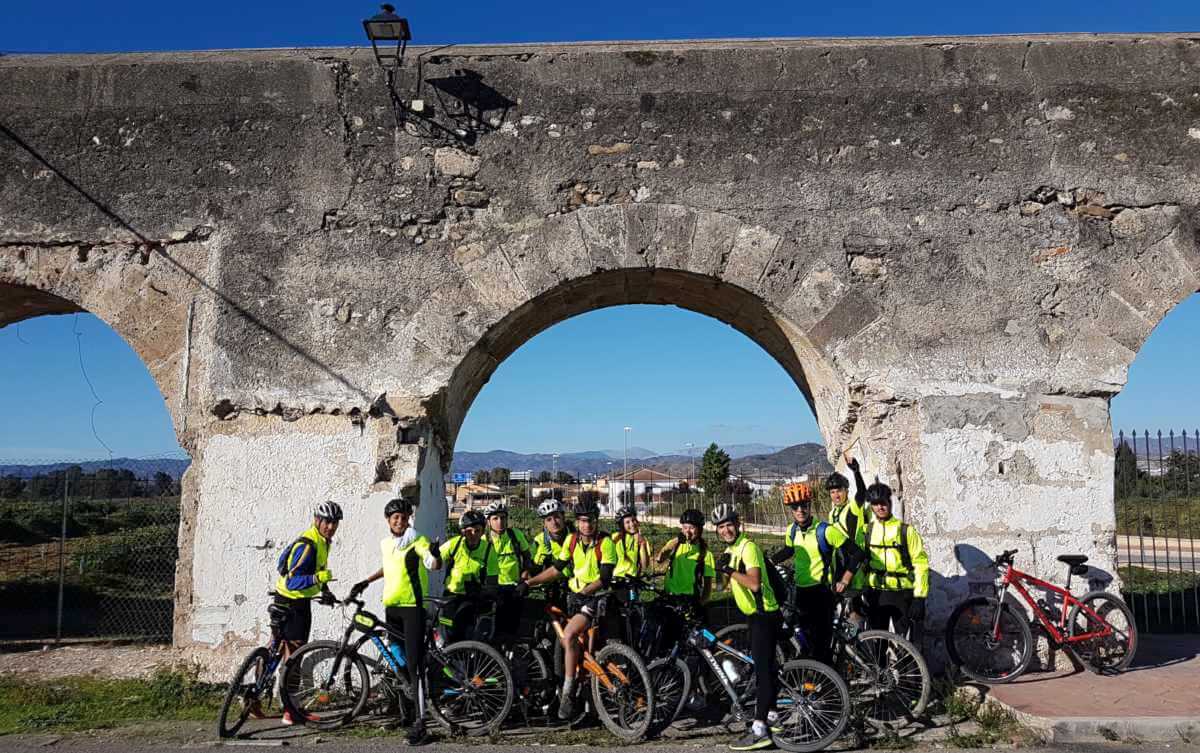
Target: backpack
[(598, 536), (902, 546), (823, 546), (281, 564)]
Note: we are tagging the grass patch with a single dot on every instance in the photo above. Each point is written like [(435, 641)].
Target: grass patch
[(85, 703), (1144, 580), (990, 725)]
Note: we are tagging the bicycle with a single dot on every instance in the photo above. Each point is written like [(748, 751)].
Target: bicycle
[(622, 692), (813, 706), (888, 677), (468, 684), (990, 640), (253, 685)]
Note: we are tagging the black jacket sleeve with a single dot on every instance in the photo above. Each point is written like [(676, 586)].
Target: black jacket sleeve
[(852, 555), (860, 487)]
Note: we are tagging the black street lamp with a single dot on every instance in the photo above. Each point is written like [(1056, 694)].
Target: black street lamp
[(387, 27)]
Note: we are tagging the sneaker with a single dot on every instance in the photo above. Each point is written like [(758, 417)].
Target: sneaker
[(254, 708), (416, 734), (287, 719), (751, 741), (566, 708)]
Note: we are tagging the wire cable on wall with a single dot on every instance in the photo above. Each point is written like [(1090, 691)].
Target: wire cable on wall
[(86, 378)]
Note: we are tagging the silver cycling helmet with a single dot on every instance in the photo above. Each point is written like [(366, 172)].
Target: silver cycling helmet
[(724, 513), (496, 508), (549, 507), (328, 510)]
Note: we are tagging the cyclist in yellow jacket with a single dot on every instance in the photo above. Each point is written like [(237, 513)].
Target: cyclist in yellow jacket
[(408, 556), (813, 547), (304, 575), (745, 567), (548, 547), (633, 551), (896, 567), (588, 563), (508, 563), (465, 558)]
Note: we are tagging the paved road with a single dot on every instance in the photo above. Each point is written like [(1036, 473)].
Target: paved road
[(90, 745), (1159, 553)]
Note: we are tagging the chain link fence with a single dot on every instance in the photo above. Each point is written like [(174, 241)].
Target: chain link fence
[(88, 549)]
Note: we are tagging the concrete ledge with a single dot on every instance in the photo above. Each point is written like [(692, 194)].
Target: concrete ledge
[(1056, 730)]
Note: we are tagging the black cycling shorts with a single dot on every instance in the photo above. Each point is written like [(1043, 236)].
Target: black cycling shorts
[(297, 626), (589, 606)]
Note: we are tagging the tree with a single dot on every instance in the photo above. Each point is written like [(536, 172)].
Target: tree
[(714, 471), (564, 478), (542, 496), (739, 491), (544, 477), (591, 496), (483, 476), (162, 484), (1125, 471), (501, 475)]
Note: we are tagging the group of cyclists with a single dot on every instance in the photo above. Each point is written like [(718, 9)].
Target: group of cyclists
[(862, 552)]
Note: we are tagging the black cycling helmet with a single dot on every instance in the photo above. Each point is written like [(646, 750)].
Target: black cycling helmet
[(328, 510), (626, 511), (692, 517), (836, 480), (471, 518), (588, 510), (397, 505), (878, 492), (724, 513)]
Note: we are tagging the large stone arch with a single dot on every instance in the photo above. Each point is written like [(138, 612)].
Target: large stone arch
[(706, 262)]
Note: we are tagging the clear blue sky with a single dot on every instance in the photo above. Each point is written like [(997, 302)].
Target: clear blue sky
[(47, 406)]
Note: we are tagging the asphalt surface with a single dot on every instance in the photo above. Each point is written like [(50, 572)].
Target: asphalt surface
[(40, 744)]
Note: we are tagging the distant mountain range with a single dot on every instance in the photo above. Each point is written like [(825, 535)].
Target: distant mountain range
[(140, 468), (800, 458)]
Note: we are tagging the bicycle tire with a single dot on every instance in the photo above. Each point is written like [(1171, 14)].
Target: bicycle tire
[(893, 655), (466, 708), (632, 703), (969, 629), (811, 696), (672, 683), (536, 689), (1088, 651), (350, 664), (255, 662)]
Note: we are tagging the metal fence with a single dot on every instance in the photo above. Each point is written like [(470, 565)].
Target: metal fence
[(88, 551), (1157, 492)]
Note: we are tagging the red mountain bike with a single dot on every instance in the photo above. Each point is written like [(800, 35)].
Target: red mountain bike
[(990, 640)]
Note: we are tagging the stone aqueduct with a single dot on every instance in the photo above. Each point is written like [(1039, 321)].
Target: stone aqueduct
[(955, 247)]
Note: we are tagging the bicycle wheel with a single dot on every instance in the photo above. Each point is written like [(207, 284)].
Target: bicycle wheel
[(672, 682), (243, 693), (325, 685), (888, 678), (1113, 653), (536, 688), (470, 688), (624, 698), (813, 707), (976, 650)]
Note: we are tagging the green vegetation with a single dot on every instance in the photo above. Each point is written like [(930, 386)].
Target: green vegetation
[(40, 521), (1143, 580), (714, 470), (83, 703), (988, 724)]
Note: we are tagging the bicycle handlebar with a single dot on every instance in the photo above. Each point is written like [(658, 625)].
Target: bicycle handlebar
[(1006, 558)]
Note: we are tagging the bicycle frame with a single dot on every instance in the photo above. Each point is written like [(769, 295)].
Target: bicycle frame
[(558, 619), (1016, 579)]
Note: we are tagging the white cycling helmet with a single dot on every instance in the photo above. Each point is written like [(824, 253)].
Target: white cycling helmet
[(329, 510), (549, 507), (496, 508)]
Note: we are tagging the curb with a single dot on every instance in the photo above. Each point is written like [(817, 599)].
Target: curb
[(1085, 729)]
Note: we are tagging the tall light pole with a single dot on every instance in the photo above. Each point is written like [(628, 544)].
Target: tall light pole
[(554, 474), (627, 481)]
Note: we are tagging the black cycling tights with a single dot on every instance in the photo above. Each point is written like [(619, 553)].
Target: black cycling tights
[(764, 626), (411, 622)]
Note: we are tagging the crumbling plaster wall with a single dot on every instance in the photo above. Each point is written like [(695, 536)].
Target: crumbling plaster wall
[(954, 246)]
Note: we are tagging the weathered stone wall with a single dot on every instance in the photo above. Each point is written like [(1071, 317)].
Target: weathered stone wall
[(954, 246)]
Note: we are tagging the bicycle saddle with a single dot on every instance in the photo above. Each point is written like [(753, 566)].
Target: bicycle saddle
[(1072, 559)]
